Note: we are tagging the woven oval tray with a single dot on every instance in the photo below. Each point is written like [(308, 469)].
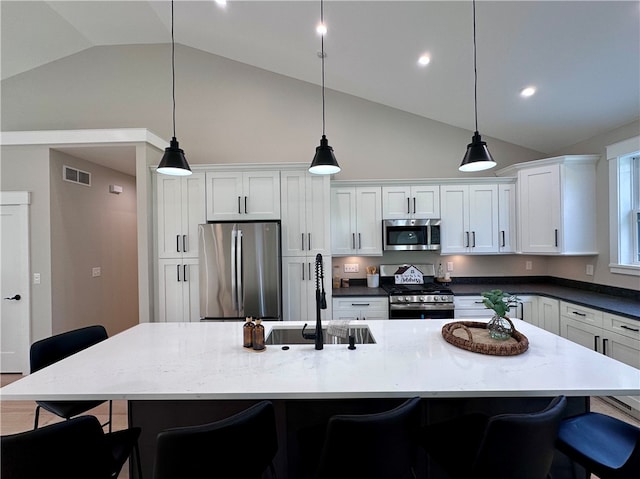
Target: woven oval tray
[(474, 336)]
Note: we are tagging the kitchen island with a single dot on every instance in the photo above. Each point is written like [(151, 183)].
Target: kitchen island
[(184, 373)]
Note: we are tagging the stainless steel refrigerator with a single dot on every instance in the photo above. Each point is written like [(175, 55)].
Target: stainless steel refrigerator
[(240, 273)]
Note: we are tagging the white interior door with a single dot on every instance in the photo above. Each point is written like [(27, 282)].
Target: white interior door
[(14, 282)]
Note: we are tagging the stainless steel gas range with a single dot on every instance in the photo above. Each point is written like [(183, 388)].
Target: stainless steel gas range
[(430, 300)]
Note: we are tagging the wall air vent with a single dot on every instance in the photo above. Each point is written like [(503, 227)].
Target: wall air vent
[(74, 175)]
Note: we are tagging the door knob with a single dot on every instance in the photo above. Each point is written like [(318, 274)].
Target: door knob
[(16, 297)]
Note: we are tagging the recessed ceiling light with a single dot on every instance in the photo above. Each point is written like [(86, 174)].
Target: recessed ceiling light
[(321, 29), (221, 3), (528, 91), (424, 60)]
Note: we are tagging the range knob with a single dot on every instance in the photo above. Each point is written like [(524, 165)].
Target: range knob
[(422, 298), (407, 298)]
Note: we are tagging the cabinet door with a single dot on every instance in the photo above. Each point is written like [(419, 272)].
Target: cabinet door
[(225, 198), (425, 201), (296, 280), (261, 195), (294, 240), (169, 214), (483, 218), (368, 221), (191, 290), (549, 314), (539, 209), (318, 215), (527, 310), (396, 202), (581, 333), (454, 203), (343, 221), (193, 212), (507, 218)]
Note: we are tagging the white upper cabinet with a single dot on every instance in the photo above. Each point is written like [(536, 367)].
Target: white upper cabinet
[(469, 219), (243, 195), (180, 209), (356, 221), (556, 205), (410, 201), (507, 218), (306, 227)]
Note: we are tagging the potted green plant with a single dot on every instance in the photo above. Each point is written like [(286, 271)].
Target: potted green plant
[(500, 326)]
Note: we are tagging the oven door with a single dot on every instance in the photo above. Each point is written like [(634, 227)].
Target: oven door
[(421, 311)]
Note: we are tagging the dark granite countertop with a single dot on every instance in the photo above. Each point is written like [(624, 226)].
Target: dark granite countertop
[(623, 305)]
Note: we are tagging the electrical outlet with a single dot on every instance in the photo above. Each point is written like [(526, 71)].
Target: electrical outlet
[(589, 270), (449, 266), (95, 272), (36, 278), (351, 267), (528, 265)]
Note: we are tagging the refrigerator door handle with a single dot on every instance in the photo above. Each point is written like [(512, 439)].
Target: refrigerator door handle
[(234, 258), (239, 271)]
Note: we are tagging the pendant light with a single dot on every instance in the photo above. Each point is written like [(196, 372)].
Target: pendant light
[(324, 162), (173, 161), (477, 157)]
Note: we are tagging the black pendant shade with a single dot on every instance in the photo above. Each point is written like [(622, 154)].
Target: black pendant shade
[(477, 157), (173, 161), (324, 162)]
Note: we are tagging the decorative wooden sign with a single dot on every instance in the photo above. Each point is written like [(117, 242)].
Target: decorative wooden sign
[(409, 275)]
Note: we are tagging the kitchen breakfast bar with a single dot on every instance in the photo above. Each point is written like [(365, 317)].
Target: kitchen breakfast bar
[(175, 374)]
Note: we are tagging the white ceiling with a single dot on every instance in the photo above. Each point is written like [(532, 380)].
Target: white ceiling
[(583, 56)]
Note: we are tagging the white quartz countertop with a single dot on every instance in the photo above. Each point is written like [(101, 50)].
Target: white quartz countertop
[(410, 358)]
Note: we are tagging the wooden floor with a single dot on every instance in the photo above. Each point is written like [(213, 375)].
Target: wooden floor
[(18, 416)]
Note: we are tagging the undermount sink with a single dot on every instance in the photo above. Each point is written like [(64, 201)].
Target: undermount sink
[(283, 334)]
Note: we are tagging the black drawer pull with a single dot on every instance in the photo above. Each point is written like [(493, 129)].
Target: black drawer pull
[(579, 314), (624, 326)]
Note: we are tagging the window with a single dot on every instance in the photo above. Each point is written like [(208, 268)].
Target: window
[(624, 204)]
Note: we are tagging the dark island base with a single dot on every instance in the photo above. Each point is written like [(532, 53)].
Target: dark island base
[(294, 416)]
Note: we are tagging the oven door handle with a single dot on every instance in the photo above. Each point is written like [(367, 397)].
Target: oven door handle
[(422, 307)]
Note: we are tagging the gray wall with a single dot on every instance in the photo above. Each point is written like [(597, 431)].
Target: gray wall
[(91, 227), (27, 169)]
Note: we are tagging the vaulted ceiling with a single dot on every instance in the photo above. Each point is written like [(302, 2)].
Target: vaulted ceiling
[(582, 56)]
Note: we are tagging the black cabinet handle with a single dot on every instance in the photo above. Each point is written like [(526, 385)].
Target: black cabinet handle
[(178, 243), (239, 210), (467, 237), (579, 314), (184, 243), (408, 208), (556, 235), (414, 205), (604, 346), (302, 264), (360, 304), (624, 326), (245, 206), (503, 240), (309, 236), (595, 343), (178, 271), (353, 240), (359, 241), (185, 276), (473, 234)]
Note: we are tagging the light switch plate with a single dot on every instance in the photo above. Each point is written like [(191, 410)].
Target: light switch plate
[(95, 272), (528, 265), (351, 268), (589, 270)]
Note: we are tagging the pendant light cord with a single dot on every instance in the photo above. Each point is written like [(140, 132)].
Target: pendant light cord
[(173, 72), (322, 58), (475, 69)]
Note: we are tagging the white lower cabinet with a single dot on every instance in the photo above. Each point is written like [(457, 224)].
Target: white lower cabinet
[(470, 307), (299, 288), (608, 334), (178, 290), (360, 308), (549, 314)]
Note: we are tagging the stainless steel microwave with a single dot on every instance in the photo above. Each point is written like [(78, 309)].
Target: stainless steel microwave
[(411, 235)]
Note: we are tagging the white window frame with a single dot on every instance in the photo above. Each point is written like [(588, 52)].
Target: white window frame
[(624, 188)]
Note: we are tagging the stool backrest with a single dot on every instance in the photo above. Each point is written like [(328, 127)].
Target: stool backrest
[(376, 446), (73, 449), (520, 445), (51, 350), (242, 445)]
